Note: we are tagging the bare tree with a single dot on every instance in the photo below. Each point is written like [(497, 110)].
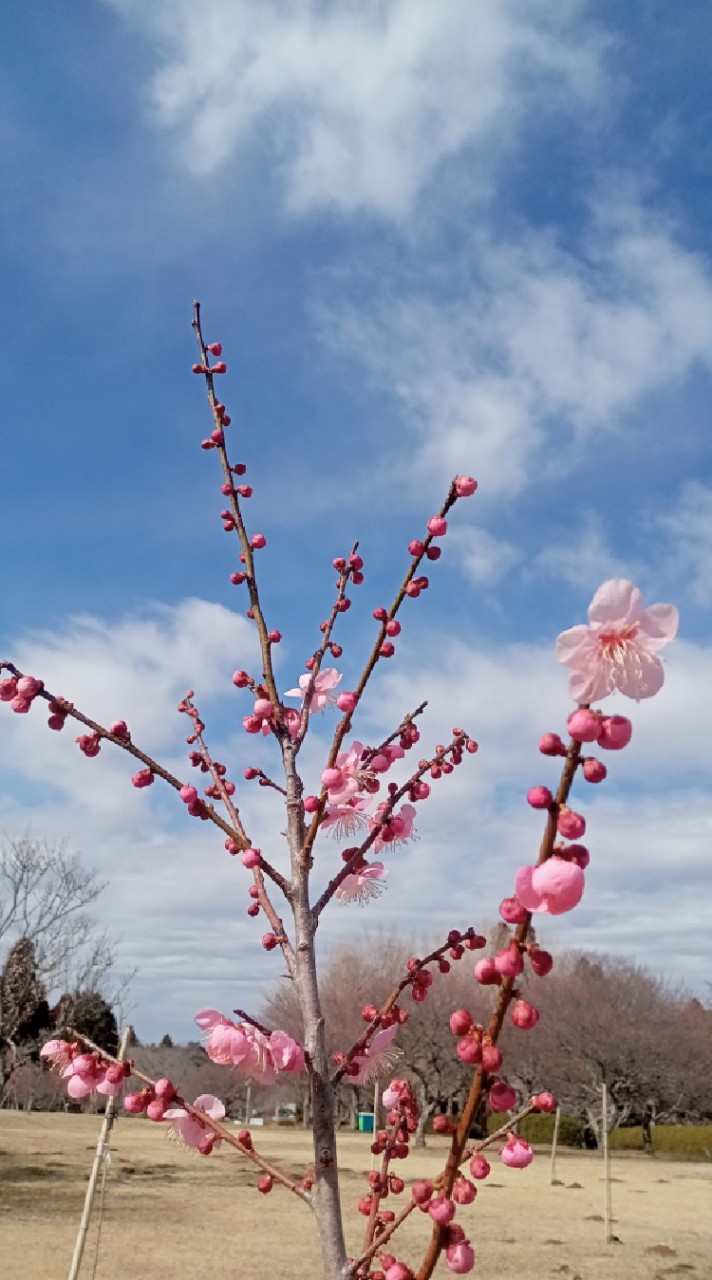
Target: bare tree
[(50, 943)]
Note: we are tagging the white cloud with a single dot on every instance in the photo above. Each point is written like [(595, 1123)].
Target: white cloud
[(583, 556), (484, 558), (179, 901), (521, 359), (359, 106), (688, 526)]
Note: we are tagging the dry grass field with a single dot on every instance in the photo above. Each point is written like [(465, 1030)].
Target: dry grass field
[(170, 1214)]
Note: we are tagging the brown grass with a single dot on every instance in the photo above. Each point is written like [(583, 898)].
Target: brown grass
[(171, 1214)]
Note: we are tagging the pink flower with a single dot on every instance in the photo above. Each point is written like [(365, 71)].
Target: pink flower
[(617, 650), (241, 1045), (287, 1054), (362, 885), (377, 1058), (323, 694), (346, 818), (556, 886), (398, 828), (59, 1052), (190, 1130)]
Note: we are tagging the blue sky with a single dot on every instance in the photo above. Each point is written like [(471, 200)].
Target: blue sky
[(431, 239)]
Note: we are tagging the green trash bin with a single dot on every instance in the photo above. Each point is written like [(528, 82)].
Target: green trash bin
[(365, 1121)]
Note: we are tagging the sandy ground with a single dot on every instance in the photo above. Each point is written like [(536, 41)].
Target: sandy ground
[(169, 1213)]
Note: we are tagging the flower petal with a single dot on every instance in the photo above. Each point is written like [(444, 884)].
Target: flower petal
[(573, 643), (616, 604), (659, 625), (525, 891), (209, 1018), (642, 676)]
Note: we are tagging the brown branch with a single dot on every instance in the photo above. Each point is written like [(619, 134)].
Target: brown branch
[(460, 1136), (344, 725), (216, 1126)]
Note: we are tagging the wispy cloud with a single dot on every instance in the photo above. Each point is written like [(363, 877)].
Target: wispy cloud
[(359, 106), (687, 527)]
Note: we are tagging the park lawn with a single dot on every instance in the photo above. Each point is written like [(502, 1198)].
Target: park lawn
[(169, 1213)]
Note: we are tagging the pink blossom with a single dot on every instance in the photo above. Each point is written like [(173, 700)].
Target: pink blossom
[(554, 887), (377, 1058), (191, 1130), (59, 1052), (287, 1054), (363, 885), (517, 1154), (501, 1097), (618, 647), (323, 693), (398, 828), (345, 819), (244, 1046)]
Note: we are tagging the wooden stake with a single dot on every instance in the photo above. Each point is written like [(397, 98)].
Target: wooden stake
[(606, 1164), (554, 1141), (99, 1157)]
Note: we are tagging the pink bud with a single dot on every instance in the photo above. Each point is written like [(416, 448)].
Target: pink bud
[(616, 733), (120, 730), (251, 858), (465, 486), (156, 1109), (143, 779), (517, 1154), (469, 1050), (311, 804), (545, 1102), (594, 770), (441, 1210), (8, 689), (134, 1103), (540, 797), (487, 973), (165, 1089), (416, 548), (274, 637), (524, 1015), (542, 962), (332, 779), (577, 853), (188, 795), (509, 961), (269, 942), (512, 911), (491, 1057), (221, 367), (479, 1166), (346, 702), (28, 687), (570, 825), (550, 744), (257, 541), (584, 725), (263, 709), (241, 679), (398, 1271), (464, 1191), (20, 705), (460, 1258), (437, 526), (421, 1191), (387, 649), (501, 1098), (460, 1022)]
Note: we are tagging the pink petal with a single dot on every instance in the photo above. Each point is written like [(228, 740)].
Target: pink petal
[(642, 676), (525, 891), (591, 681), (209, 1018), (211, 1105), (616, 604), (571, 645), (659, 625)]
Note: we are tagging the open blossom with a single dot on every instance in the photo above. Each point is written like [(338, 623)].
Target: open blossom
[(377, 1058), (363, 885), (619, 646), (346, 818), (241, 1045), (323, 693), (398, 828), (190, 1129)]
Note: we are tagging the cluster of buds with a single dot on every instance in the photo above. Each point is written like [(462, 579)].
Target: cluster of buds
[(153, 1100), (20, 692)]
